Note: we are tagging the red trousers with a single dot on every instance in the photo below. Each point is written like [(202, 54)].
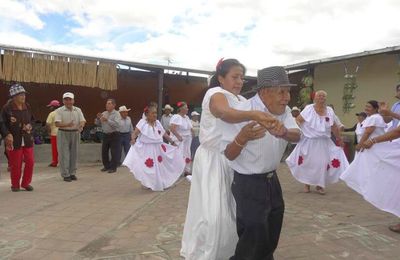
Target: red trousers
[(54, 151), (16, 157)]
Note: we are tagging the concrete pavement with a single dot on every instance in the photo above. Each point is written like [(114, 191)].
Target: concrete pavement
[(109, 216)]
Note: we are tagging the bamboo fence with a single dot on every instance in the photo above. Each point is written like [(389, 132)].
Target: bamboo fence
[(41, 68)]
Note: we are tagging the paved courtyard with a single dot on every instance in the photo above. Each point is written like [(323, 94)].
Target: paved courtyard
[(109, 216)]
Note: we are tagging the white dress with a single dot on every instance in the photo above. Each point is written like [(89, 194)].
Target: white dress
[(210, 227), (155, 164), (375, 172), (184, 130), (316, 160)]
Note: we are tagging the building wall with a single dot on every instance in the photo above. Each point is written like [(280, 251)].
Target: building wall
[(135, 90), (376, 79)]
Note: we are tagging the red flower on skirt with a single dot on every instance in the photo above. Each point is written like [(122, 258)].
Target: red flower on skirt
[(327, 119), (300, 161), (159, 132), (164, 148), (187, 160), (159, 158), (149, 162), (328, 167), (335, 163)]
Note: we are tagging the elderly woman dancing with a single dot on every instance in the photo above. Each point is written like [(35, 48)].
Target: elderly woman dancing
[(316, 160)]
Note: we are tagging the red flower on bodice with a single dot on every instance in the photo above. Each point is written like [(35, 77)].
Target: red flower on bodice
[(335, 163), (164, 148), (159, 158), (187, 160)]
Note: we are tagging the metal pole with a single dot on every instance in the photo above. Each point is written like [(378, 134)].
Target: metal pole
[(160, 92)]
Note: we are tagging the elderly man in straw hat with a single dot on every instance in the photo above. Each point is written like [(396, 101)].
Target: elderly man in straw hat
[(166, 117), (70, 122), (256, 187), (125, 129), (53, 130), (17, 117)]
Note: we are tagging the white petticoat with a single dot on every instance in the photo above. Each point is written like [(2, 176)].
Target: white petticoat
[(210, 226), (375, 174), (317, 161), (156, 165)]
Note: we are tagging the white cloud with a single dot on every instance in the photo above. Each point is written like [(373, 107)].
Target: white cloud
[(19, 12), (197, 33)]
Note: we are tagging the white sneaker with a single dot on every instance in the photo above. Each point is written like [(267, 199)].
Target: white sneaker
[(189, 178)]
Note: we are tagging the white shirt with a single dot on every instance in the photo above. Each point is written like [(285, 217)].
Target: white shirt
[(262, 155), (359, 131), (165, 121), (126, 125), (196, 127)]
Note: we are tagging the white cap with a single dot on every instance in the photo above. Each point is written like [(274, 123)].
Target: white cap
[(68, 95), (194, 113), (123, 109), (295, 109)]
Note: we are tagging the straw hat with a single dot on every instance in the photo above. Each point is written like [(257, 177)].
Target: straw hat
[(167, 106), (123, 109)]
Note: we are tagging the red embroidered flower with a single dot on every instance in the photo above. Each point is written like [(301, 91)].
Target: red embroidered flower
[(327, 119), (328, 167), (149, 162), (300, 161), (159, 132), (187, 160), (164, 148), (159, 158), (335, 163)]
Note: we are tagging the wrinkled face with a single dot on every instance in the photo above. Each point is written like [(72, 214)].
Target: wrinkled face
[(320, 98), (110, 106), (370, 110), (275, 99), (195, 118), (68, 102), (233, 80), (20, 98), (167, 111), (183, 110), (152, 115), (124, 114)]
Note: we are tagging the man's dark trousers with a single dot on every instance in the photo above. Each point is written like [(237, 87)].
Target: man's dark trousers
[(259, 215), (111, 142)]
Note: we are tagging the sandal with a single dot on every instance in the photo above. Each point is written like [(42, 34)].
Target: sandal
[(395, 228), (320, 190)]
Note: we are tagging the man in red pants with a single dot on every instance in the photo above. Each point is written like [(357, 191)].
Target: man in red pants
[(53, 129), (18, 118)]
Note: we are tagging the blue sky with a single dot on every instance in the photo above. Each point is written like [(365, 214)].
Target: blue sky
[(197, 33)]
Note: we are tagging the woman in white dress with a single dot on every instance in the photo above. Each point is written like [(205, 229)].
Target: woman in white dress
[(182, 134), (316, 160), (385, 168), (210, 228), (375, 172), (155, 164)]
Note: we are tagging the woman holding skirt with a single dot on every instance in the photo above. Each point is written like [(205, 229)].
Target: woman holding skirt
[(155, 164)]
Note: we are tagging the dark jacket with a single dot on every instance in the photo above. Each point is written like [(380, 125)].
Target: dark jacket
[(14, 122)]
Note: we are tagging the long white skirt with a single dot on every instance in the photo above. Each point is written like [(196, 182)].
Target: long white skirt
[(184, 149), (210, 227), (157, 166), (375, 174), (317, 161)]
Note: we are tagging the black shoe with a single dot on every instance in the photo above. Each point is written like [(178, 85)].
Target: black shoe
[(73, 177), (28, 188), (112, 170), (68, 179), (15, 189), (104, 169), (52, 165)]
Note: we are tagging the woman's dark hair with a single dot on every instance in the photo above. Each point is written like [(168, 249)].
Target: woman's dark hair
[(374, 104), (223, 67)]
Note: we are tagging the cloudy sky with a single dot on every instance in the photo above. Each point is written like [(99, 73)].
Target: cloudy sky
[(197, 33)]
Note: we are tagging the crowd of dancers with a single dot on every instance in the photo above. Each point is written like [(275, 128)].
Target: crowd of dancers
[(236, 207)]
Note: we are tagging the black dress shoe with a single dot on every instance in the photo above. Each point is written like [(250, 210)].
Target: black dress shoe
[(104, 169), (15, 189), (52, 165), (73, 177), (68, 179), (28, 188), (112, 170)]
